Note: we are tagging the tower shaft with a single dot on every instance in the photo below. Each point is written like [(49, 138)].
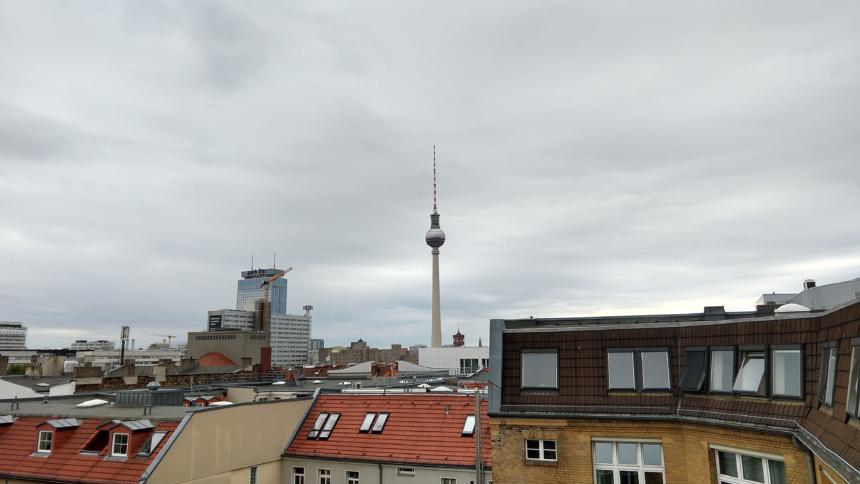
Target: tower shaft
[(436, 334)]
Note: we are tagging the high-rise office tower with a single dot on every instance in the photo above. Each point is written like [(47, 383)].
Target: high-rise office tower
[(435, 237), (250, 289)]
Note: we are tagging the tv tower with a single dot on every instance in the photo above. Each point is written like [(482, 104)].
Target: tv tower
[(435, 237)]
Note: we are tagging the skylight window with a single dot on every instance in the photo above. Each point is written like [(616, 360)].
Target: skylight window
[(152, 443), (329, 426), (750, 377), (380, 422), (368, 420), (469, 425), (318, 425)]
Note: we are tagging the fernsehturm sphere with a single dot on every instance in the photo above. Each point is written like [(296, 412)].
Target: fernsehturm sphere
[(435, 237)]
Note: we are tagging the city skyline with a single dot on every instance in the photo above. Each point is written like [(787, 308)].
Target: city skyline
[(148, 149)]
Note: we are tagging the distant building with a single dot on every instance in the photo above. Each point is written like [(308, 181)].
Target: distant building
[(249, 290), (359, 352), (237, 347), (231, 319), (84, 345), (107, 359), (458, 360), (290, 335), (13, 336), (314, 347)]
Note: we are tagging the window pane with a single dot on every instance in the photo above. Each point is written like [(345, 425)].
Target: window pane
[(533, 454), (722, 370), (549, 454), (627, 453), (653, 478), (655, 369), (604, 477), (603, 452), (629, 477), (753, 468), (621, 370), (549, 444), (694, 374), (831, 377), (727, 463), (539, 369), (751, 372), (787, 379), (652, 454), (854, 382), (777, 472)]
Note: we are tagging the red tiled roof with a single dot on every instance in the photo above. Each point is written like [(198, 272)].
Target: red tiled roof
[(215, 359), (65, 463), (418, 430)]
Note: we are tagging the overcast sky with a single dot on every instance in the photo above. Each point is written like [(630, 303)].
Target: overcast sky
[(594, 158)]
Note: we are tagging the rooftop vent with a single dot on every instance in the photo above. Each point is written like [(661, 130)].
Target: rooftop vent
[(150, 398), (791, 308), (808, 284)]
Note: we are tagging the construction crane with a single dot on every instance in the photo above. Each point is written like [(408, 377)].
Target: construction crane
[(266, 304)]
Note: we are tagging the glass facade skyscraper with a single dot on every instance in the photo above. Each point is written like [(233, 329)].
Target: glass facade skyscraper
[(249, 291)]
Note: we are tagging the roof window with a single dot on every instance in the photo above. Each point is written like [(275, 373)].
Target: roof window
[(368, 420), (150, 445), (469, 425), (694, 375), (323, 426), (373, 422)]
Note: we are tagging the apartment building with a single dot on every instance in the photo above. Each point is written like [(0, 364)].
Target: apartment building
[(735, 398), (406, 438)]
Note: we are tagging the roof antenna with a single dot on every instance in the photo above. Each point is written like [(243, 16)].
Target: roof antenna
[(274, 260), (252, 262), (434, 178)]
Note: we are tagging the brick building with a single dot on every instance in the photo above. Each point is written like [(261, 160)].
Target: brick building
[(736, 398), (359, 352)]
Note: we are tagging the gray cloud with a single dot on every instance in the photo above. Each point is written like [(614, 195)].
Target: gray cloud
[(592, 160)]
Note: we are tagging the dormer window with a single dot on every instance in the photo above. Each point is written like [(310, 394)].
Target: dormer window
[(119, 448), (46, 441)]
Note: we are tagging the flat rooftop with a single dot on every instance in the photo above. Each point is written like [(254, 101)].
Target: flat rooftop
[(66, 407)]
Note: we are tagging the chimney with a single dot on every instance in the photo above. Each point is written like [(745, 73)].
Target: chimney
[(128, 364), (246, 363), (186, 363), (715, 312), (266, 359), (808, 284)]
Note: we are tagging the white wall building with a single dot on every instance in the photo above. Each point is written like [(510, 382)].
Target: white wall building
[(289, 335), (111, 359), (231, 319), (84, 345), (13, 336), (458, 360)]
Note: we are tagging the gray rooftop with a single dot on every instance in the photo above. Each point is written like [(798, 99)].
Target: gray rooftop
[(64, 408)]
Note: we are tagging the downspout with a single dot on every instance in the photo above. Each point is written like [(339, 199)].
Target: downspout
[(380, 473), (810, 459)]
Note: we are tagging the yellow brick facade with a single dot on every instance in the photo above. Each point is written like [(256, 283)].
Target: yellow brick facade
[(687, 453)]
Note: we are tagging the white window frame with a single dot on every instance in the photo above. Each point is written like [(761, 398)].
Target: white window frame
[(448, 480), (352, 480), (853, 406), (49, 441), (323, 478), (113, 443), (298, 478), (542, 450), (616, 467), (827, 380), (406, 471), (739, 465)]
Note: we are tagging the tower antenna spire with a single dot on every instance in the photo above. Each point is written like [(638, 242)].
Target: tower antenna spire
[(434, 178)]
